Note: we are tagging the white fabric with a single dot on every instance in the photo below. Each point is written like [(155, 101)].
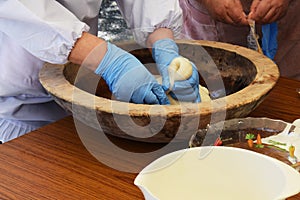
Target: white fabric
[(31, 33), (86, 11), (11, 129), (36, 31), (44, 28), (290, 136), (144, 16)]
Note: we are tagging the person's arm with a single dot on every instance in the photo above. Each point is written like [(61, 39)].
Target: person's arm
[(180, 76), (125, 76), (159, 34), (155, 24), (50, 32), (88, 49)]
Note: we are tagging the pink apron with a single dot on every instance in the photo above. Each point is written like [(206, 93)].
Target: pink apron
[(200, 26)]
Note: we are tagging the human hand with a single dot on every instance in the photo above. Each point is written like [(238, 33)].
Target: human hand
[(128, 79), (169, 62), (227, 11), (268, 11)]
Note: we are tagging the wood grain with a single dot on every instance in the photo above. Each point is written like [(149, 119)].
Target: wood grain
[(52, 162), (282, 103)]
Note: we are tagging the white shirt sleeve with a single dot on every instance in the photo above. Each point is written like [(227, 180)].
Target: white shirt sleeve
[(86, 11), (44, 28), (144, 16)]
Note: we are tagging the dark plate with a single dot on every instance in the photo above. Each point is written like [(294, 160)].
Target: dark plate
[(233, 133)]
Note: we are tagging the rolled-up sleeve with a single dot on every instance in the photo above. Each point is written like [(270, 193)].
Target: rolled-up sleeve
[(44, 28), (144, 16)]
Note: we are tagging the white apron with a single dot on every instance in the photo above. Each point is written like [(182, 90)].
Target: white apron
[(36, 31), (32, 33)]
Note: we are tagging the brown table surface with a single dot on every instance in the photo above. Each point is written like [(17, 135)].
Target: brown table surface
[(53, 163)]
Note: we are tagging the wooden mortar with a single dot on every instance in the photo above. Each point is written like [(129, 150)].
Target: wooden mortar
[(245, 76)]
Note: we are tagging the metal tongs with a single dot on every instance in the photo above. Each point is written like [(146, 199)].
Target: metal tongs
[(253, 37)]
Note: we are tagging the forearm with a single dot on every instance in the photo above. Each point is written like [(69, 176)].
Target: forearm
[(158, 34), (88, 50)]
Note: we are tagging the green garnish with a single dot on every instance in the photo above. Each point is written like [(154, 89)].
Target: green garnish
[(276, 143), (259, 146), (249, 136), (278, 148)]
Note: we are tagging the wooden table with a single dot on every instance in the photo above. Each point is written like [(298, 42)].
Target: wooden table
[(53, 163)]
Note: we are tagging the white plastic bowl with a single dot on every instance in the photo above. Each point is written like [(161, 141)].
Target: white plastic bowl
[(217, 173)]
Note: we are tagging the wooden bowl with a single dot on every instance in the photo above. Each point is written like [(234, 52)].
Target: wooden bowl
[(238, 80)]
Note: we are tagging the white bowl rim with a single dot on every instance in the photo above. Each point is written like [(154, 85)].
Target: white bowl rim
[(282, 165)]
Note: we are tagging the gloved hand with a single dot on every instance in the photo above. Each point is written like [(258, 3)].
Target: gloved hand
[(128, 79), (269, 39), (164, 51)]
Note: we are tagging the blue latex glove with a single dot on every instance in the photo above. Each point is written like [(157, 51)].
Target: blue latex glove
[(163, 52), (128, 79), (269, 39)]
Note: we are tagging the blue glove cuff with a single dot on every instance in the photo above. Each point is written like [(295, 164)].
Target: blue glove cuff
[(112, 54), (164, 51), (107, 68)]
